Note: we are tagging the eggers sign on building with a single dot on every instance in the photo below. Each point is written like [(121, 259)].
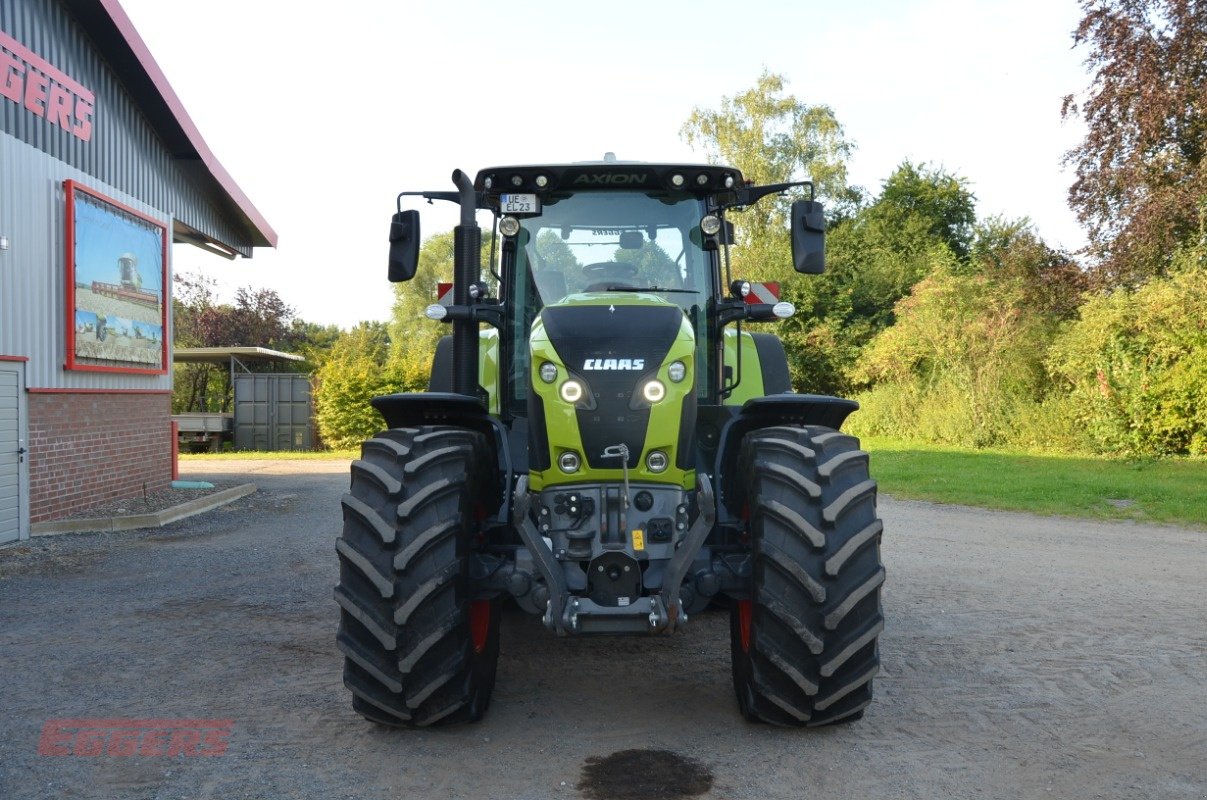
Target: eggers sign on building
[(44, 90), (101, 171)]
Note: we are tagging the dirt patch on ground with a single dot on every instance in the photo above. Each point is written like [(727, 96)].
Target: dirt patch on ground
[(644, 775)]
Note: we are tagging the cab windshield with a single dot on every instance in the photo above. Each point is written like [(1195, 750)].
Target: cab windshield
[(609, 241)]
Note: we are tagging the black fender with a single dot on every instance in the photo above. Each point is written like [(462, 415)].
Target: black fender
[(766, 412), (411, 409), (414, 409), (773, 363), (441, 379)]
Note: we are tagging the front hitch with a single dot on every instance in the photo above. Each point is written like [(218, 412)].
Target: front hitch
[(653, 614)]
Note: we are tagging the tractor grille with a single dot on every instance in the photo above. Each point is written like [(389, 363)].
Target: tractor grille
[(582, 333)]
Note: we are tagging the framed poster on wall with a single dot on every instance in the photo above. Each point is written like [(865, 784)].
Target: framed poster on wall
[(117, 278)]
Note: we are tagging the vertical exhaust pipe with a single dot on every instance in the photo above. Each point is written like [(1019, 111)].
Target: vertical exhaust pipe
[(467, 269)]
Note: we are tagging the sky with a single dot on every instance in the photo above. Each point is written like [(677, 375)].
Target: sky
[(323, 114)]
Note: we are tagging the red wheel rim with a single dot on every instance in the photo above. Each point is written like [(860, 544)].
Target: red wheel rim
[(745, 614), (479, 623)]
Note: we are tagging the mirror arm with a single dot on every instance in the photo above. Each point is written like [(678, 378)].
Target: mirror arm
[(452, 197), (748, 195), (738, 311), (730, 311), (491, 313)]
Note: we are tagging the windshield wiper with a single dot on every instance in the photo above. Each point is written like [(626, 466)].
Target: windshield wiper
[(622, 288)]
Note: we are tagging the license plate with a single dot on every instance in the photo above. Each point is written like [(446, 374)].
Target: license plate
[(519, 204)]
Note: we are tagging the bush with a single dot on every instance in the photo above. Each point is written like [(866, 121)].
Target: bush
[(358, 369), (1134, 365), (1048, 426), (962, 363)]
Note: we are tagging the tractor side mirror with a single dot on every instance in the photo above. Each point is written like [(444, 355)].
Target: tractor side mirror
[(808, 237), (404, 245)]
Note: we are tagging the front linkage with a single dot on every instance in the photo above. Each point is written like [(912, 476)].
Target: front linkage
[(655, 613)]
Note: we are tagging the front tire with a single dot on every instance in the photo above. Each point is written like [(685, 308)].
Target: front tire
[(419, 648), (804, 642)]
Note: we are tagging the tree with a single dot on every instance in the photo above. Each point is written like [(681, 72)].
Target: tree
[(258, 317), (1135, 364), (1012, 250), (311, 341), (772, 138), (413, 335), (917, 224), (1141, 173), (939, 199), (552, 254), (193, 298), (356, 371), (876, 256)]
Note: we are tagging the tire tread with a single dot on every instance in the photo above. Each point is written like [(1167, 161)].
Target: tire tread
[(816, 578)]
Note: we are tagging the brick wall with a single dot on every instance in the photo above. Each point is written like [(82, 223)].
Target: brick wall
[(85, 449)]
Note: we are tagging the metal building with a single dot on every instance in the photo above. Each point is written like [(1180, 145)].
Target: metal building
[(101, 170)]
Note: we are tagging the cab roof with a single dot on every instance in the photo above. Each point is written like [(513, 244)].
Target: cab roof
[(609, 173)]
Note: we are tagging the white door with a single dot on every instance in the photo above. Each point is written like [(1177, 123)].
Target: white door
[(12, 455)]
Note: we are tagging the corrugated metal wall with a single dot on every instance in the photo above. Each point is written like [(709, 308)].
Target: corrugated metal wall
[(124, 151), (33, 276)]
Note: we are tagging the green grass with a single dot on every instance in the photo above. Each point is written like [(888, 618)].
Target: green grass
[(1170, 490), (275, 455)]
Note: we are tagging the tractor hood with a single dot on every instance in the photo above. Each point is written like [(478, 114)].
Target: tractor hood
[(614, 344)]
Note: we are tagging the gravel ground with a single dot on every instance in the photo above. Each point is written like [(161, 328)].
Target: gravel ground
[(1024, 657)]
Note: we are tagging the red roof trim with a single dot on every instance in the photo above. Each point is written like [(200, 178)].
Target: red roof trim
[(147, 61)]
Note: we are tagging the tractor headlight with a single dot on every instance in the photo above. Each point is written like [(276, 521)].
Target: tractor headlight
[(509, 226), (653, 391), (548, 372), (677, 371), (711, 225), (572, 391), (657, 461), (568, 461)]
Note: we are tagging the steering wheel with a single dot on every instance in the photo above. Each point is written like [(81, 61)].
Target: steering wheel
[(604, 273)]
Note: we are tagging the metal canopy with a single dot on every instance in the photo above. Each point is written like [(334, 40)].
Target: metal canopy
[(223, 355)]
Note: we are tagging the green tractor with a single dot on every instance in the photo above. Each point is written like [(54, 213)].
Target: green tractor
[(604, 444)]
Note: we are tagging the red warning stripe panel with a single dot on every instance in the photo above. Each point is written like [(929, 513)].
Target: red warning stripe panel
[(763, 293), (444, 294)]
